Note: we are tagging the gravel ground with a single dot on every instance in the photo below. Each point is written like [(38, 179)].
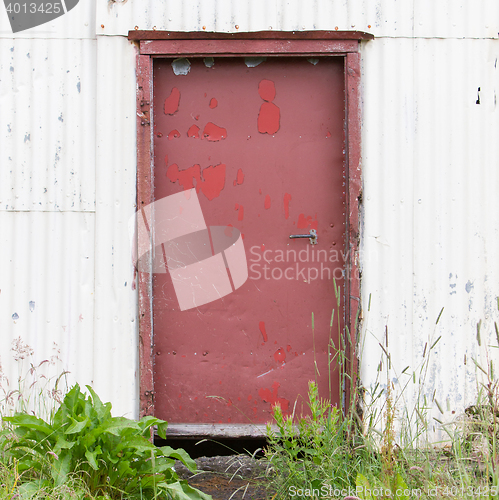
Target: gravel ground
[(232, 477)]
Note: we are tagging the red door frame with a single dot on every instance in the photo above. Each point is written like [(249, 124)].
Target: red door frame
[(151, 44)]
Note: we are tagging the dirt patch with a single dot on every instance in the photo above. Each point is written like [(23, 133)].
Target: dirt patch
[(232, 477)]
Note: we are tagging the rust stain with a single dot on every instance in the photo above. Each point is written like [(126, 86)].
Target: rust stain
[(261, 325), (172, 102), (213, 132), (267, 202), (174, 134), (213, 103), (268, 118), (328, 134), (288, 348), (266, 89), (271, 397), (287, 198), (307, 222), (134, 280), (193, 132)]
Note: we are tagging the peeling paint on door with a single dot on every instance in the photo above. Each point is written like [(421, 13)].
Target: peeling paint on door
[(210, 181), (265, 168), (261, 326), (267, 202), (172, 102), (270, 396), (213, 132), (193, 132)]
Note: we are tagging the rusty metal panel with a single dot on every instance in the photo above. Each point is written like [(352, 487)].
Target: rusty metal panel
[(262, 145)]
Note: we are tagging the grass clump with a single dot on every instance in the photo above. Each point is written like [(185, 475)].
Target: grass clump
[(83, 452), (388, 454)]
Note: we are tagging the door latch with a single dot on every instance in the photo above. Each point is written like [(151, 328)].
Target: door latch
[(312, 236)]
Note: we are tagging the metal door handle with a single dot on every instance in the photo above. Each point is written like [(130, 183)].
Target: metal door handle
[(312, 236)]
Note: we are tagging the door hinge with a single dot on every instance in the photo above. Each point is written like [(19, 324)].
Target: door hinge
[(144, 115)]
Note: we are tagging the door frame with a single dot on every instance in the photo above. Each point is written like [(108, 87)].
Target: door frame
[(154, 44)]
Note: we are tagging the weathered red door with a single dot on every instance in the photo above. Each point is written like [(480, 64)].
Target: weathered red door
[(262, 145)]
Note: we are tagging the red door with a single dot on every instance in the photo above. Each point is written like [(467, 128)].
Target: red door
[(262, 147)]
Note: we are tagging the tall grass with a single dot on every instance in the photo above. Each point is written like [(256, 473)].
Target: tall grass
[(377, 444), (58, 443), (38, 388)]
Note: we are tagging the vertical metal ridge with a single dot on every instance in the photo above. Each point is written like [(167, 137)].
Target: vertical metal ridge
[(115, 297)]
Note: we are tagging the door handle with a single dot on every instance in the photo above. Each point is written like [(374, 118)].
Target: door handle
[(312, 236)]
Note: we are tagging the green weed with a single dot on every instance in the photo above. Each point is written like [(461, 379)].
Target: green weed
[(108, 457), (368, 450)]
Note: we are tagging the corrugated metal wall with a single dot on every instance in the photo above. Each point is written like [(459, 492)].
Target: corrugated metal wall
[(67, 190), (431, 211), (430, 173)]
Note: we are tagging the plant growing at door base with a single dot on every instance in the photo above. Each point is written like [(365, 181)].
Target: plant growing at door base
[(111, 455)]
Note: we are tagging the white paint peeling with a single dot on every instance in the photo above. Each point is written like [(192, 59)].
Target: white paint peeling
[(181, 66), (209, 62), (253, 62)]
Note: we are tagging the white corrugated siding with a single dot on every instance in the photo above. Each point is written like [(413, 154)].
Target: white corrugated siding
[(67, 190), (431, 210), (47, 143), (430, 174), (383, 18)]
